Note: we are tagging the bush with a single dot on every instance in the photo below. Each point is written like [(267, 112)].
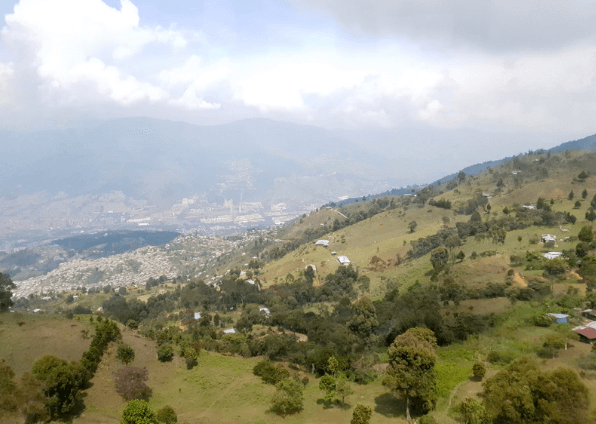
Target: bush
[(191, 357), (138, 412), (498, 357), (427, 419), (130, 383), (269, 373), (542, 320), (479, 370), (165, 353), (288, 399), (361, 414), (125, 354), (167, 415)]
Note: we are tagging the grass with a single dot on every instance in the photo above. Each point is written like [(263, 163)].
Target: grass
[(39, 335)]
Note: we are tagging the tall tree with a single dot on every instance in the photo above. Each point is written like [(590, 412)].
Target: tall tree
[(522, 393), (411, 372), (62, 383), (6, 287), (364, 321)]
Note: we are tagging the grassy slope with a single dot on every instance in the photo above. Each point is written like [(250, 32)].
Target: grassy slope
[(223, 389)]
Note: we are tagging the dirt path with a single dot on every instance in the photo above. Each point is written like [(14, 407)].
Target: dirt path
[(519, 279)]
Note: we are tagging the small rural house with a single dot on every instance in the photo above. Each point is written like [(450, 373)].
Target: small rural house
[(229, 331), (587, 335), (266, 310), (197, 315), (559, 318), (314, 268), (343, 260), (552, 255), (322, 243), (548, 237), (589, 313)]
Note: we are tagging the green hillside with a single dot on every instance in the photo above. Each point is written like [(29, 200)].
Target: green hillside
[(463, 259)]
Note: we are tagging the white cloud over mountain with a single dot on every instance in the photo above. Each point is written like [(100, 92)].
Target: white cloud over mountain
[(445, 64)]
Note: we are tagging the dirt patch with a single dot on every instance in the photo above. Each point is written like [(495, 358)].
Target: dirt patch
[(519, 280)]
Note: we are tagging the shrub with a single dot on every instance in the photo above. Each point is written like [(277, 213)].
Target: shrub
[(138, 412), (542, 320), (288, 399), (427, 419), (361, 414), (167, 415), (130, 383), (191, 357), (125, 354), (165, 353), (498, 357), (269, 373), (479, 370)]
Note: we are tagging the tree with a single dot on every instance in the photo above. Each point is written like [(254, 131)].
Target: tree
[(125, 354), (593, 202), (471, 411), (191, 357), (412, 226), (584, 194), (591, 215), (364, 321), (461, 176), (411, 371), (327, 384), (167, 415), (479, 370), (6, 287), (131, 383), (165, 353), (522, 393), (461, 256), (582, 175), (288, 398), (361, 414), (571, 195), (138, 412), (577, 204), (439, 258), (343, 388), (61, 383), (586, 234)]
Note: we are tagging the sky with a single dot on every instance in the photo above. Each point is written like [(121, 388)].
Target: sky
[(496, 66)]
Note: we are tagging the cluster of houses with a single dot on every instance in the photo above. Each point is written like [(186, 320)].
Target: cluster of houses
[(343, 260), (586, 332)]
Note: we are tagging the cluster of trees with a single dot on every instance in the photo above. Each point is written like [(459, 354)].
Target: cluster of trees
[(523, 393), (6, 287)]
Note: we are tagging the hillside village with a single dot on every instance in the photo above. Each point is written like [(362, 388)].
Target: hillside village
[(488, 281)]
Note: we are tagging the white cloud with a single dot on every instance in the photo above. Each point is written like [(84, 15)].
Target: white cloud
[(6, 95), (83, 43), (504, 25)]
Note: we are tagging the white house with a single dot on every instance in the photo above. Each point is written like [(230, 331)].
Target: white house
[(266, 310), (548, 237), (229, 331), (250, 281), (197, 315), (314, 268), (343, 260), (529, 206), (552, 255), (322, 243)]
